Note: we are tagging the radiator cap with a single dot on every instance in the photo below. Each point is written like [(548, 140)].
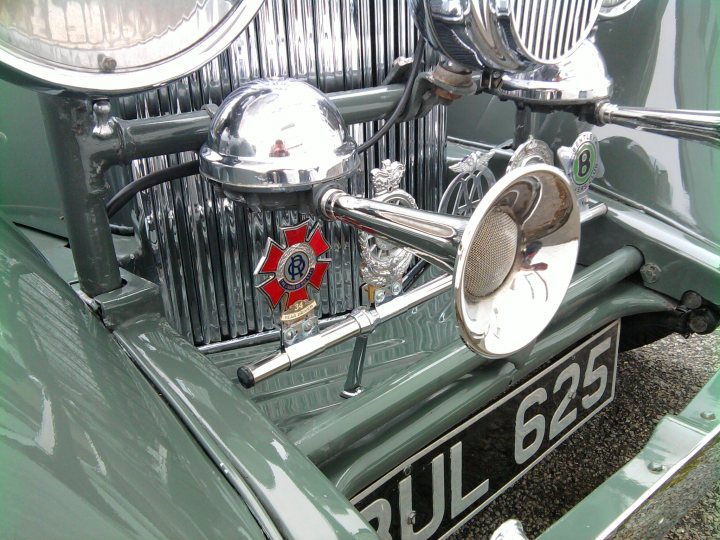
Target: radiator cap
[(273, 138)]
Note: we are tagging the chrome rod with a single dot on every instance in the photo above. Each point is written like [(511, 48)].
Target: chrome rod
[(703, 126), (358, 322), (429, 235)]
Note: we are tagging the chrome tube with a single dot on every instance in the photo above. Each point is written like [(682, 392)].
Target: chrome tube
[(358, 322), (429, 235), (703, 126)]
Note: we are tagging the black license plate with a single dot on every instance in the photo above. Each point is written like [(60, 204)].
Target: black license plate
[(445, 484)]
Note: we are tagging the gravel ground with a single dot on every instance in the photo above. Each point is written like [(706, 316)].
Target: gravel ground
[(653, 381)]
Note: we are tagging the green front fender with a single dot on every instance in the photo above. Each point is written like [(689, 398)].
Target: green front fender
[(88, 448)]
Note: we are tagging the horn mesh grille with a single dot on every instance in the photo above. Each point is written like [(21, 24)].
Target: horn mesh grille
[(549, 30), (491, 254)]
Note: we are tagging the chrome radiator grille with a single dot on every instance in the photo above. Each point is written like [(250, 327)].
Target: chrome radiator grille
[(204, 247), (548, 30)]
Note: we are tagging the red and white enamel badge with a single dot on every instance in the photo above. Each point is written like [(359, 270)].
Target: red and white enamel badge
[(295, 266)]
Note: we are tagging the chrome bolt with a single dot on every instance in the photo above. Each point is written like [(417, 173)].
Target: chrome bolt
[(407, 470), (414, 311), (656, 467), (307, 326), (290, 334), (380, 296), (411, 517), (707, 415), (396, 288)]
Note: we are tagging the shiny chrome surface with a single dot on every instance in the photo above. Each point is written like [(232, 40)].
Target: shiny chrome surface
[(432, 236), (703, 126), (203, 246), (531, 151), (579, 78), (511, 261), (541, 202), (506, 35), (358, 322), (110, 47), (550, 30), (472, 181), (276, 136), (86, 442), (614, 8), (385, 263), (512, 529)]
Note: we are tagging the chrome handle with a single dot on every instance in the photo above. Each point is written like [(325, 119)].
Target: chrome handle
[(703, 126)]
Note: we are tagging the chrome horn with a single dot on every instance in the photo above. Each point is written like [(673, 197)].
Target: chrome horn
[(511, 261)]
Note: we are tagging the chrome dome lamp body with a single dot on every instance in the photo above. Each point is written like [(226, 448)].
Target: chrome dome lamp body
[(273, 140)]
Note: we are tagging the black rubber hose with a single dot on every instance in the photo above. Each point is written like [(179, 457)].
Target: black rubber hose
[(125, 195), (400, 107)]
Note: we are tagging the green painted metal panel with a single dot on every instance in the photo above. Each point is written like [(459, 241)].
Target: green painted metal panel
[(301, 500), (28, 186), (88, 448)]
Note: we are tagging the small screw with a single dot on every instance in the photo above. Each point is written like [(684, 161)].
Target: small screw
[(407, 470), (414, 311), (656, 467), (396, 288), (707, 415), (411, 517), (307, 326), (380, 296)]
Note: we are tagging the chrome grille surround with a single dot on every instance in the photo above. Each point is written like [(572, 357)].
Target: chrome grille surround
[(547, 31), (202, 246), (508, 35)]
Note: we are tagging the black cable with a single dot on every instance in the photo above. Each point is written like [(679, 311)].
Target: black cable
[(400, 107), (125, 195), (121, 230), (414, 274)]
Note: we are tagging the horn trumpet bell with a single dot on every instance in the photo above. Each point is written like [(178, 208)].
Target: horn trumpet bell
[(512, 260)]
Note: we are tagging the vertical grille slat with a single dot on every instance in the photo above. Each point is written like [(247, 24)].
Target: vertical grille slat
[(547, 30), (203, 246)]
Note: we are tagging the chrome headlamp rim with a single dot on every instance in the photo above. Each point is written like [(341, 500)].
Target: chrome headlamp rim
[(44, 74), (504, 34), (620, 9), (481, 326)]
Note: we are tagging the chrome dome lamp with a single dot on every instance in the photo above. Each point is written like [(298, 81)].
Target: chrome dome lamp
[(273, 141)]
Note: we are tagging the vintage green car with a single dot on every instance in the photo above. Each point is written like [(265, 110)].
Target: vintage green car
[(320, 269)]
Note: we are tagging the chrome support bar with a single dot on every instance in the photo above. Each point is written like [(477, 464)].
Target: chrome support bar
[(591, 212), (703, 126), (359, 322)]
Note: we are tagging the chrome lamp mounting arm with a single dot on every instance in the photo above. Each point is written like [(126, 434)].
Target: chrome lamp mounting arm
[(703, 126)]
